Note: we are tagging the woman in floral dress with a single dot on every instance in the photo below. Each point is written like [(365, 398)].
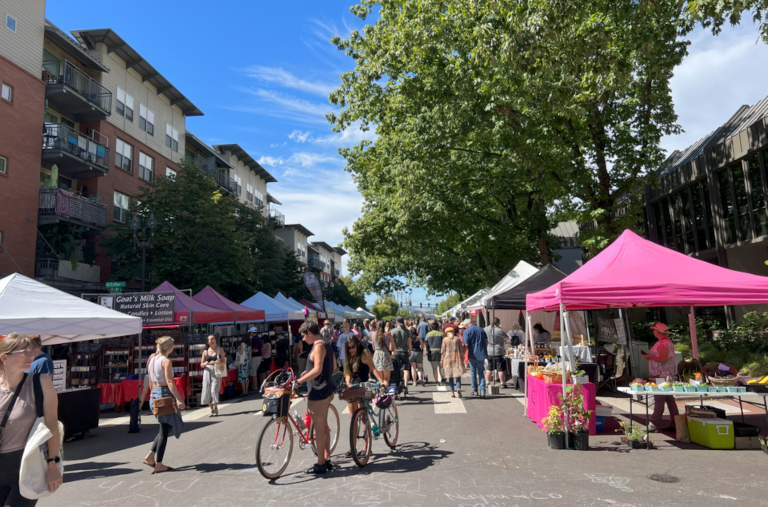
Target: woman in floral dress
[(243, 361), (452, 354)]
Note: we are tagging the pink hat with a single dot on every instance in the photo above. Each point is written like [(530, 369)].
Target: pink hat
[(660, 327)]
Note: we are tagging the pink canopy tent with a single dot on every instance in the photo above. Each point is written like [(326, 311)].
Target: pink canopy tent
[(210, 297), (635, 272), (204, 314)]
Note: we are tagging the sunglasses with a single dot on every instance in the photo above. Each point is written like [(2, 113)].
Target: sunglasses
[(26, 352)]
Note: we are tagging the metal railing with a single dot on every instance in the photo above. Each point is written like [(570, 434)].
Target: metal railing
[(58, 202), (64, 72), (215, 174), (277, 217), (63, 137), (47, 268), (316, 263), (336, 272)]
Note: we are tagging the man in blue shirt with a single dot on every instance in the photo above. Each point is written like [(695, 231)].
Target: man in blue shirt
[(476, 341), (423, 329), (43, 362)]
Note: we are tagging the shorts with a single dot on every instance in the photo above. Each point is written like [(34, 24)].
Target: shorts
[(495, 363), (319, 408), (264, 367), (404, 359), (417, 356), (255, 362), (435, 357)]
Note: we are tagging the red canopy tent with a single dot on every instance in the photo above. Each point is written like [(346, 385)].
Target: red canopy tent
[(204, 314), (210, 297)]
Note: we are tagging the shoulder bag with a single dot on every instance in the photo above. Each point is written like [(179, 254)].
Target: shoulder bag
[(161, 406), (34, 461), (10, 406), (219, 370)]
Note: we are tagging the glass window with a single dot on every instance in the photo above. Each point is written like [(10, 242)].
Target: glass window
[(685, 202), (742, 204), (3, 165), (146, 119), (658, 222), (121, 205), (10, 23), (124, 155), (171, 137), (7, 92), (249, 192), (675, 200), (698, 216), (708, 212), (170, 173), (727, 202), (146, 167), (757, 194)]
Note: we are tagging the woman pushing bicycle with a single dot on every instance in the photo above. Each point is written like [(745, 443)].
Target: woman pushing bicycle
[(358, 366)]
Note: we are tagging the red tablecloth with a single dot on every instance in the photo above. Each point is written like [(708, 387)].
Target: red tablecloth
[(541, 396), (111, 393), (130, 389)]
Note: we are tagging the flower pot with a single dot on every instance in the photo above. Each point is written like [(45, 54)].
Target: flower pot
[(580, 380), (579, 440), (556, 440), (633, 444)]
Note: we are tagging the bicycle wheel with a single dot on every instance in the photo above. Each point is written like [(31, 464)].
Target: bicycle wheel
[(360, 438), (391, 425), (274, 448), (333, 424)]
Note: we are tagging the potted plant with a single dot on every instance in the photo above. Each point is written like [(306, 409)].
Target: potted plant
[(633, 435), (555, 427), (580, 377), (577, 417)]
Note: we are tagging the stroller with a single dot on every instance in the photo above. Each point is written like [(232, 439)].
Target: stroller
[(396, 381)]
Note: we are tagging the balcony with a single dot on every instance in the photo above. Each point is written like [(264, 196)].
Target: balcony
[(220, 177), (75, 154), (277, 218), (336, 273), (74, 93), (58, 270), (56, 205), (316, 263)]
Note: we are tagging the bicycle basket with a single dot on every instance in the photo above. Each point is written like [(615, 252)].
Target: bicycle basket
[(383, 401), (276, 406), (353, 393)]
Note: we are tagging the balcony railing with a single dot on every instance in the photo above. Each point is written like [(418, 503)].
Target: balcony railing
[(215, 174), (277, 218), (63, 270), (57, 136), (60, 203), (336, 273), (316, 263), (64, 72)]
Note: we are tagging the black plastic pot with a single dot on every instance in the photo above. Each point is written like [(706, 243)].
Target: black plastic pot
[(556, 440), (580, 440), (633, 444)]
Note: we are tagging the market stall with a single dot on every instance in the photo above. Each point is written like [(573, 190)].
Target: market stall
[(634, 272), (541, 396)]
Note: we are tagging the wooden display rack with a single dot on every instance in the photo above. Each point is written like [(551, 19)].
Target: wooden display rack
[(116, 361), (84, 371)]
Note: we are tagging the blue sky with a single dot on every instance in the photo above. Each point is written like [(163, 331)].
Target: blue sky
[(262, 71)]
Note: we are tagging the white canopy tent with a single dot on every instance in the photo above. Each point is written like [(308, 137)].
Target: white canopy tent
[(368, 315), (291, 304), (521, 272), (274, 311), (31, 307)]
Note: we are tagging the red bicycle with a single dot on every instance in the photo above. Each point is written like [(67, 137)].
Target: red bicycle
[(275, 445)]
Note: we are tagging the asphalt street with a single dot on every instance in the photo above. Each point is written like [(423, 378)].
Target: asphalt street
[(469, 453)]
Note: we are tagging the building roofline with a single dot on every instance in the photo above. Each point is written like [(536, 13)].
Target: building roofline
[(301, 229), (71, 46), (271, 198), (248, 160), (196, 141), (133, 60), (324, 245), (340, 250)]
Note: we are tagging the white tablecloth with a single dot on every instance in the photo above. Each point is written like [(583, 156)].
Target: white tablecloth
[(581, 352)]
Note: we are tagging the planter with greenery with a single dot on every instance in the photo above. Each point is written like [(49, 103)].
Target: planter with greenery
[(633, 435), (577, 417), (554, 425)]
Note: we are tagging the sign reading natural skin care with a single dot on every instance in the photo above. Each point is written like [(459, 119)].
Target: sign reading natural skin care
[(153, 307)]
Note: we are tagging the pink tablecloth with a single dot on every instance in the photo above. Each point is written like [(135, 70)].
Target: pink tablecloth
[(541, 396)]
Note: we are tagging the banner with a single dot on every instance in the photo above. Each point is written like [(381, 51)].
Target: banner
[(154, 308), (312, 283)]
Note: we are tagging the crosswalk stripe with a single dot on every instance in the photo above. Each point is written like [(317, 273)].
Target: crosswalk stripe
[(442, 388), (444, 404)]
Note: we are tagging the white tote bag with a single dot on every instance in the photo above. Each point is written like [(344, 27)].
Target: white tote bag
[(34, 463)]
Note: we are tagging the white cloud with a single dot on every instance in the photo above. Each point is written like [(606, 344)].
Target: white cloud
[(299, 136), (271, 161), (287, 80), (349, 137), (288, 107), (719, 75), (310, 160)]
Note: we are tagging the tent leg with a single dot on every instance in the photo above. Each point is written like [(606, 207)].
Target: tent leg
[(562, 365), (528, 340), (694, 340)]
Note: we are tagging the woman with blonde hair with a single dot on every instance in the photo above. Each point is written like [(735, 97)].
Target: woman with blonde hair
[(213, 357), (160, 372), (17, 402), (382, 357), (452, 356)]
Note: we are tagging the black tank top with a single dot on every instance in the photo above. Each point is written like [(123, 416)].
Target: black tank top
[(363, 373), (321, 386)]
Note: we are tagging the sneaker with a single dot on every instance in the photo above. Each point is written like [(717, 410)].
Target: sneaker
[(482, 395), (316, 469), (474, 393), (348, 455), (329, 465)]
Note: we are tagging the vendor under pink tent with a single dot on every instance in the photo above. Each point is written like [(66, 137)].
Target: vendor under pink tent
[(210, 297), (203, 314), (635, 272)]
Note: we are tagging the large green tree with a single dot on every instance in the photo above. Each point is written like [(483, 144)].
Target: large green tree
[(505, 105), (204, 237)]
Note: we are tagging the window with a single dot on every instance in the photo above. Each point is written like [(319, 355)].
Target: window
[(7, 92), (146, 167), (685, 209), (658, 223), (237, 184), (121, 207), (757, 195), (146, 120), (10, 23), (742, 205), (124, 156), (3, 165), (726, 199), (249, 192), (124, 104), (171, 137), (170, 173), (700, 219)]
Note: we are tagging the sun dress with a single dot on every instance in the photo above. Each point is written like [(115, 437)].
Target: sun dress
[(382, 359), (452, 357), (242, 365)]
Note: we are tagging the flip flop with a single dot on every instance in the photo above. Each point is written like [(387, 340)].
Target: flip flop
[(169, 469), (151, 465)]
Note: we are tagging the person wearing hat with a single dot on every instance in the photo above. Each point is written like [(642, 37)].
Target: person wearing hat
[(661, 363), (256, 345)]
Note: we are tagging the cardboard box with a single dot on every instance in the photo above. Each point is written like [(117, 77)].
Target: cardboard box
[(744, 443), (603, 410)]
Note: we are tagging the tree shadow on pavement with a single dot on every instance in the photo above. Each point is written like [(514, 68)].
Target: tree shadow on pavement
[(91, 470)]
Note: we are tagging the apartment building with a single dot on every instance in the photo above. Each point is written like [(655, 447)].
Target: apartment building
[(249, 177), (326, 260), (711, 202), (295, 237)]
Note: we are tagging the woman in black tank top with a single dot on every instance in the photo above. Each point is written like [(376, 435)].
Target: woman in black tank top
[(358, 366)]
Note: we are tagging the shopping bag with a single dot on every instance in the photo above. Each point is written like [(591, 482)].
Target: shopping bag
[(681, 425)]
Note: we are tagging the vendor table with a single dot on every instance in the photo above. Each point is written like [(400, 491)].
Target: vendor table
[(701, 396), (111, 393), (517, 372), (130, 389), (79, 410), (582, 353), (541, 396)]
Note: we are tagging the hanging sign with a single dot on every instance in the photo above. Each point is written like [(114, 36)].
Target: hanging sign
[(154, 308)]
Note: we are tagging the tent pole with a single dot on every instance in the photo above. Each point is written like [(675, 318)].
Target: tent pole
[(694, 340), (562, 365), (567, 328), (528, 337)]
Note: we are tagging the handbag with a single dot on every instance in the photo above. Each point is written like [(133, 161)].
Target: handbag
[(34, 460), (219, 370)]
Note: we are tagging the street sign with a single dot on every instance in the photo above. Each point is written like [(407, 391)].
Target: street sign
[(115, 286), (153, 307)]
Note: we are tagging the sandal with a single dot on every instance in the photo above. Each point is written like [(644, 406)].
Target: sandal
[(168, 469), (151, 465), (453, 395)]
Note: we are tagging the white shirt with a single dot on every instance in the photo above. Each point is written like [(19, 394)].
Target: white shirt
[(343, 337)]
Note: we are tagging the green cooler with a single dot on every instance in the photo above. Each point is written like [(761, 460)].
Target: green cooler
[(711, 432)]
